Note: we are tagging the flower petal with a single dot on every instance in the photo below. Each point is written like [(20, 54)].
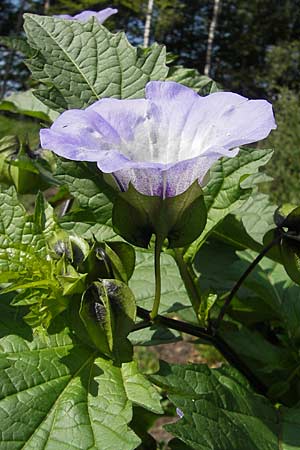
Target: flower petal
[(163, 143), (123, 115), (189, 125), (80, 135), (153, 179)]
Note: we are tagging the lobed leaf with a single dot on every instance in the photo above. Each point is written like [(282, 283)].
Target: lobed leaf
[(80, 63)]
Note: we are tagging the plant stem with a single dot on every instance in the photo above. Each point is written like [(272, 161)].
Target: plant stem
[(215, 340), (158, 245), (238, 284), (188, 280)]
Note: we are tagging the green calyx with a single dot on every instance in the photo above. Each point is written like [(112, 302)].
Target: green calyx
[(180, 219)]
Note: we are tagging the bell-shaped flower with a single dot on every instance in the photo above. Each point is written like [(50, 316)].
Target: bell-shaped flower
[(84, 16), (163, 143)]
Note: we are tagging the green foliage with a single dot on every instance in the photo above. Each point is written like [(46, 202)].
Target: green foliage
[(226, 190), (25, 130), (27, 104), (21, 167), (109, 67), (72, 382), (91, 215), (64, 394), (25, 258), (222, 412)]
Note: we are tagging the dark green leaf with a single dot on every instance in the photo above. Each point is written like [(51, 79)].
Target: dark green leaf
[(288, 216), (221, 412), (290, 252)]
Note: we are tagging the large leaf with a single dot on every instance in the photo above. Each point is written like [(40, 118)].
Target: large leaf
[(58, 393), (83, 62), (224, 193), (27, 104), (221, 412)]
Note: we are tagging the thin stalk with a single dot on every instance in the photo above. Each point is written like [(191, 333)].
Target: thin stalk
[(230, 355), (158, 245), (238, 284), (188, 280)]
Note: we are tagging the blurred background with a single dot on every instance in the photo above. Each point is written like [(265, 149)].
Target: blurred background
[(248, 47)]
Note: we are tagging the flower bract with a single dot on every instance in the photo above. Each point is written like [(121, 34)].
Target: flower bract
[(164, 142), (84, 16)]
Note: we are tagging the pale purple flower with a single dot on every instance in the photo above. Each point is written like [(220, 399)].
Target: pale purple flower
[(84, 16), (163, 143)]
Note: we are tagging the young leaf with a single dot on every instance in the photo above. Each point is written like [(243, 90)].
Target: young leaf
[(82, 62), (27, 262)]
